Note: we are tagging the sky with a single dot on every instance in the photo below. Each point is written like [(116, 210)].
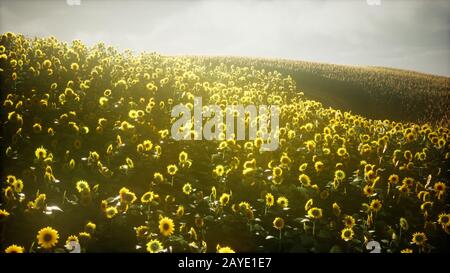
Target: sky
[(408, 34)]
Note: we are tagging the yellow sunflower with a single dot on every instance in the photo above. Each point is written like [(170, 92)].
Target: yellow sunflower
[(419, 238), (224, 249), (40, 153), (269, 200), (172, 169), (47, 237), (349, 221), (187, 188), (278, 223), (315, 213), (147, 197), (154, 246), (375, 205), (444, 218), (347, 234), (14, 249), (224, 199), (283, 202), (166, 226)]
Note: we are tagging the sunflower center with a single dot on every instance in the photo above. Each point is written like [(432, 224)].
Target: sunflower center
[(47, 237), (166, 226)]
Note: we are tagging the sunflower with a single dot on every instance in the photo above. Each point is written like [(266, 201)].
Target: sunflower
[(426, 206), (393, 179), (17, 185), (244, 206), (154, 246), (158, 177), (187, 188), (10, 179), (304, 180), (147, 197), (224, 199), (37, 128), (127, 196), (308, 204), (172, 169), (83, 186), (224, 249), (40, 153), (444, 218), (180, 211), (341, 152), (47, 237), (408, 181), (90, 227), (336, 209), (278, 223), (347, 234), (285, 160), (419, 238), (219, 170), (439, 187), (318, 166), (404, 224), (269, 200), (315, 213), (339, 175), (14, 249), (84, 236), (111, 212), (283, 202), (166, 226), (3, 214), (406, 250), (71, 240), (277, 172), (141, 231), (349, 221), (375, 205), (303, 167)]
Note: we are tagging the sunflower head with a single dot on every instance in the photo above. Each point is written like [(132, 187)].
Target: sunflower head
[(269, 200), (419, 238), (278, 223), (224, 199), (349, 221), (47, 237), (283, 202), (14, 249), (315, 213), (347, 234), (224, 249), (154, 246), (166, 226)]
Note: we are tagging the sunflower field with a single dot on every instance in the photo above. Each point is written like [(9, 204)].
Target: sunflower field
[(88, 159)]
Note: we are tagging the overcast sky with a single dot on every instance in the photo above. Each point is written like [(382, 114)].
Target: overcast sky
[(411, 34)]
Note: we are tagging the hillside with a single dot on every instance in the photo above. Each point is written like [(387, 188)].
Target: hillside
[(89, 158), (375, 92)]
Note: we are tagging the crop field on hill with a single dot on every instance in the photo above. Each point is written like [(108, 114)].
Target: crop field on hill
[(375, 92), (88, 157)]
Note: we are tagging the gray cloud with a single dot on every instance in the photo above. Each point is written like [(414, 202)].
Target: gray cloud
[(411, 34)]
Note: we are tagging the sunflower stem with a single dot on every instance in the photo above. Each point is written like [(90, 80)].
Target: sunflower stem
[(314, 228), (279, 241)]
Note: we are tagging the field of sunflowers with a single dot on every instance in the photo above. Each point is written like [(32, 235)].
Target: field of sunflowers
[(88, 160)]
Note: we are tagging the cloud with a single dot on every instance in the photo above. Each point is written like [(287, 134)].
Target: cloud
[(411, 34)]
